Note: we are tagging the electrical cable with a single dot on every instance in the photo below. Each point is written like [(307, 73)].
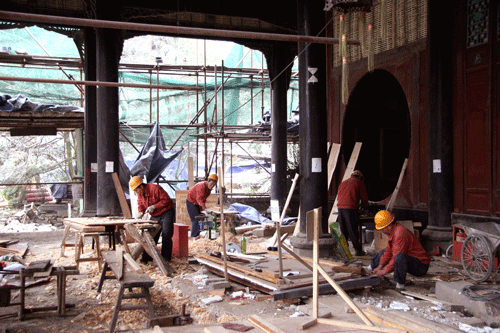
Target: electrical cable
[(493, 296)]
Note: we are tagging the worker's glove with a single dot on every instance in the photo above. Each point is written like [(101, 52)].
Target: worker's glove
[(140, 216), (150, 209)]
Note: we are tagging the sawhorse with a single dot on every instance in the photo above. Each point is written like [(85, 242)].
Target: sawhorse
[(129, 280)]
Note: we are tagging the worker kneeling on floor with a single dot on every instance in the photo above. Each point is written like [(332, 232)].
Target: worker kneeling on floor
[(153, 199), (403, 254)]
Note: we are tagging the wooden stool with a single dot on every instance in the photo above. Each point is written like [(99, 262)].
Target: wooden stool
[(129, 280), (79, 246)]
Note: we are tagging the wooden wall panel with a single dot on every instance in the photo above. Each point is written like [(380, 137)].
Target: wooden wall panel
[(477, 142)]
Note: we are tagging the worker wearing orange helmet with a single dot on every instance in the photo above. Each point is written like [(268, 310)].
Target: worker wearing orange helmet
[(196, 199), (153, 199), (403, 254), (351, 192)]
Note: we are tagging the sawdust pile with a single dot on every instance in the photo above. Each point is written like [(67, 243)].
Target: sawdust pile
[(203, 245)]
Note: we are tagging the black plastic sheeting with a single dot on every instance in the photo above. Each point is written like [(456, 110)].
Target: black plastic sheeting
[(152, 160), (22, 103)]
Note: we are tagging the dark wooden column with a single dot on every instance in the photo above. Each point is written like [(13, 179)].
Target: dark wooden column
[(279, 74), (90, 137), (109, 47), (313, 125), (440, 32)]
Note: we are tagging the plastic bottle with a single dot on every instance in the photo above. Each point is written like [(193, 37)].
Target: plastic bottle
[(243, 245)]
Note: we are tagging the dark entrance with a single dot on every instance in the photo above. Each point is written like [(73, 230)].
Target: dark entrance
[(377, 115)]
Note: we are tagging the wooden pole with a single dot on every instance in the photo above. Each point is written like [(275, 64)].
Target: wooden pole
[(222, 223), (278, 225)]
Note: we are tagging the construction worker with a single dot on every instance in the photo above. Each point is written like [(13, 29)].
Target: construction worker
[(403, 254), (350, 196), (153, 199), (196, 201)]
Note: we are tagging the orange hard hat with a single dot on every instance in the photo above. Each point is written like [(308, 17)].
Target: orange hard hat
[(213, 177), (383, 219), (135, 182)]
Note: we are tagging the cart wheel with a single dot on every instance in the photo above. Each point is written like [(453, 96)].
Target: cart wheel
[(4, 297), (477, 258)]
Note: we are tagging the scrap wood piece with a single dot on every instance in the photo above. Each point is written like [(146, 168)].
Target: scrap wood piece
[(237, 327), (264, 325), (243, 269), (349, 269)]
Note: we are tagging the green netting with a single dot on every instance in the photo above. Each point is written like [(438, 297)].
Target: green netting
[(139, 106)]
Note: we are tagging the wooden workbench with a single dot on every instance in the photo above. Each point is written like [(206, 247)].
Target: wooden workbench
[(95, 227)]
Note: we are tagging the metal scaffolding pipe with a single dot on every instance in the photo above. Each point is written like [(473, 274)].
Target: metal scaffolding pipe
[(79, 22), (97, 83)]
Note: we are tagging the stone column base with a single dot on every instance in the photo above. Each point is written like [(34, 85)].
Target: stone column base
[(305, 249)]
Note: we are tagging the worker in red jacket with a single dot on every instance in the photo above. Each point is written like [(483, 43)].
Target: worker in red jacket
[(403, 254), (196, 201), (350, 194), (153, 199)]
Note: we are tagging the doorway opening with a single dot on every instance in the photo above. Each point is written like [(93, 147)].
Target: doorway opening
[(377, 115)]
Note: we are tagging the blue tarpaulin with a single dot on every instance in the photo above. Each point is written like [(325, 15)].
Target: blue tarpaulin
[(249, 213)]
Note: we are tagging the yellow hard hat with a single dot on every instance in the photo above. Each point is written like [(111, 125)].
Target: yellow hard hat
[(135, 182), (383, 218), (213, 177)]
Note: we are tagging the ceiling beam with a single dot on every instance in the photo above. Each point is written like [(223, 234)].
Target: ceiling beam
[(166, 29)]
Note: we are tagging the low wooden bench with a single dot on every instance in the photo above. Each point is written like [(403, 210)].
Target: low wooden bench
[(128, 279)]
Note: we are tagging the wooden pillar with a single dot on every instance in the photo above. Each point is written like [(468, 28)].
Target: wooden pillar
[(109, 46), (440, 30), (313, 126), (279, 74), (90, 143)]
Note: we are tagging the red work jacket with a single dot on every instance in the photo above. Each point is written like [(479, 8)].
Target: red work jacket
[(198, 194), (154, 195)]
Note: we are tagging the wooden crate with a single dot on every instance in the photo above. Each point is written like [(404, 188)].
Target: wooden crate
[(181, 214)]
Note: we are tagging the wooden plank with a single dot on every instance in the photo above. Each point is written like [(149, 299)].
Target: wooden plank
[(132, 263), (121, 196), (388, 319), (242, 269), (190, 163), (310, 226), (358, 326), (181, 214), (119, 263), (264, 325), (332, 162), (153, 251), (394, 195), (348, 171), (424, 323)]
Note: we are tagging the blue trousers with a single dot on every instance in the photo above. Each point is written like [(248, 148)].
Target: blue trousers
[(166, 221), (193, 211), (403, 264)]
